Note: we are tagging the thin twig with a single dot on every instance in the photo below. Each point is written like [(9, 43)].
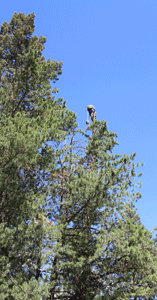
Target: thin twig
[(17, 285)]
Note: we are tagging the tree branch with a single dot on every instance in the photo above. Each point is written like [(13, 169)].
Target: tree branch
[(16, 285)]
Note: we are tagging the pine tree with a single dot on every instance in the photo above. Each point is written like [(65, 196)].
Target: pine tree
[(102, 237), (68, 225), (30, 118)]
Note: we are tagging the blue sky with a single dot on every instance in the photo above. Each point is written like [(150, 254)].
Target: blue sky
[(109, 54)]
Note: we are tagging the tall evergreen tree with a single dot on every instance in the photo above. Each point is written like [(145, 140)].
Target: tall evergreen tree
[(69, 229), (30, 118)]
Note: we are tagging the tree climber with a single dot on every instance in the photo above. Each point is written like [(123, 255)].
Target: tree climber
[(92, 113)]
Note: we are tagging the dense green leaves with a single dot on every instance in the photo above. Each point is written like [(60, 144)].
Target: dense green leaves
[(68, 225)]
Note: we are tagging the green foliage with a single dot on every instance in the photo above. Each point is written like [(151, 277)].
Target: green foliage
[(68, 225)]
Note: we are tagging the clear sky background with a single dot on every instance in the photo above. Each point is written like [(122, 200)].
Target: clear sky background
[(109, 54)]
